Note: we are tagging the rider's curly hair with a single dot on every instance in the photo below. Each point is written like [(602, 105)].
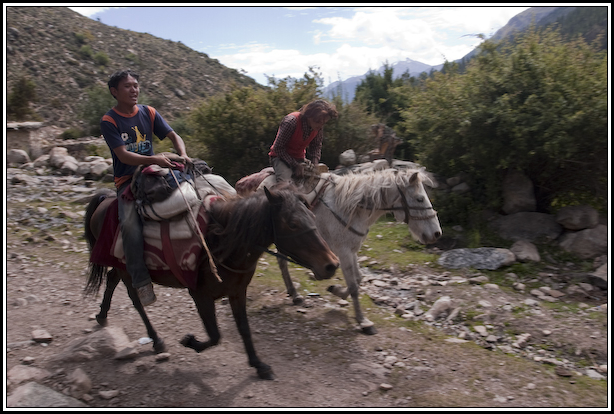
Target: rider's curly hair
[(315, 108)]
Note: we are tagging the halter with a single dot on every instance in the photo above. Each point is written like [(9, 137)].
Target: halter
[(404, 206), (283, 255)]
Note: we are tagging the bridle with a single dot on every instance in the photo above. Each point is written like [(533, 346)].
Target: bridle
[(281, 254), (405, 207)]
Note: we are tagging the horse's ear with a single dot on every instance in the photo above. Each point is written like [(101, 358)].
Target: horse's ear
[(273, 197), (414, 178)]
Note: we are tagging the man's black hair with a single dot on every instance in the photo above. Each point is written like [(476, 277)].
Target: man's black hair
[(119, 75)]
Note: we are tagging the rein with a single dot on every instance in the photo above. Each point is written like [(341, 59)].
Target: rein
[(199, 233), (342, 221), (267, 250)]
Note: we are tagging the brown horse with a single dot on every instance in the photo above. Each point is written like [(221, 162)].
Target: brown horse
[(239, 230)]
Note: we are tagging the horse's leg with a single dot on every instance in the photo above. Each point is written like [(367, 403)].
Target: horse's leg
[(113, 279), (158, 343), (351, 273), (238, 305), (206, 310), (297, 299)]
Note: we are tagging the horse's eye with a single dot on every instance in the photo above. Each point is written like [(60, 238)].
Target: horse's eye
[(292, 225), (420, 199)]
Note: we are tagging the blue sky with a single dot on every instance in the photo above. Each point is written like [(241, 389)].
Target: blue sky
[(341, 41)]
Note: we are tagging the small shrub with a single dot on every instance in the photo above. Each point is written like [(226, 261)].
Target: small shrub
[(84, 37), (72, 133), (22, 94), (101, 58), (86, 51), (132, 57)]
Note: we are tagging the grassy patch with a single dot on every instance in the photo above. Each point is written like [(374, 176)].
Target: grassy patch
[(390, 243)]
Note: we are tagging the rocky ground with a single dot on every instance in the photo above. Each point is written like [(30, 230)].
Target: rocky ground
[(445, 338)]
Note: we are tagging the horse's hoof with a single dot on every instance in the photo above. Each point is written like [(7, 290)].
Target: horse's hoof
[(159, 346), (338, 291), (187, 340), (298, 300), (369, 330), (102, 321), (266, 373)]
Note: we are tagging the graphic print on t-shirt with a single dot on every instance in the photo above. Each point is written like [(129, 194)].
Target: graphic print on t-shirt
[(141, 146)]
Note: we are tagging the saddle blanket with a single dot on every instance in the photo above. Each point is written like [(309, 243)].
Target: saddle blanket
[(266, 178), (170, 245)]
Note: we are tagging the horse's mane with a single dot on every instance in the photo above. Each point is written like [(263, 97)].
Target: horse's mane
[(365, 188), (239, 223)]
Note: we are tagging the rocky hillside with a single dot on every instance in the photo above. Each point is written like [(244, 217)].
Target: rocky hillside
[(65, 54)]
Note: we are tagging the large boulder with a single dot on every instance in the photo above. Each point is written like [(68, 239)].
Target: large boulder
[(525, 251), (34, 395), (599, 277), (586, 243), (577, 217), (17, 157), (518, 193), (347, 158), (105, 343), (528, 226), (57, 156), (490, 258)]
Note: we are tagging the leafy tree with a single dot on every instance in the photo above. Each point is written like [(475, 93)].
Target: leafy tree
[(375, 93), (538, 105), (237, 130), (22, 94), (234, 132), (350, 131)]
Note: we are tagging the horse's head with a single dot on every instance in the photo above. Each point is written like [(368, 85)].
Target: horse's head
[(296, 234), (414, 207)]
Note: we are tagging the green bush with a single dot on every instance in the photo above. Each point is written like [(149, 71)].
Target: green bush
[(101, 58), (99, 101), (72, 133), (18, 102), (86, 51), (538, 105)]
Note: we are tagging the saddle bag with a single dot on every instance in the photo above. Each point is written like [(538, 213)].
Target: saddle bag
[(157, 195)]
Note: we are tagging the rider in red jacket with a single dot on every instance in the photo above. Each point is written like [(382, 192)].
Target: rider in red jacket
[(299, 139)]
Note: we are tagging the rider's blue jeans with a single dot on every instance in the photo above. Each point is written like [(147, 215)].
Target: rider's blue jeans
[(131, 226)]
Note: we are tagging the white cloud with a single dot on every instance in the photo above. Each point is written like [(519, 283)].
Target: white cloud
[(350, 46), (90, 11)]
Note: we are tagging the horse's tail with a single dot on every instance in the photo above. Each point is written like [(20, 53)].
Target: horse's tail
[(96, 271)]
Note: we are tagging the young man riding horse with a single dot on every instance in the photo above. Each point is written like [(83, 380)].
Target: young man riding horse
[(128, 130)]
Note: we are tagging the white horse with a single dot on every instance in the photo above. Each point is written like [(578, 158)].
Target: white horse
[(347, 206)]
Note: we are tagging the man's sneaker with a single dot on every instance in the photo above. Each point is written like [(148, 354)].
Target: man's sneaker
[(146, 294)]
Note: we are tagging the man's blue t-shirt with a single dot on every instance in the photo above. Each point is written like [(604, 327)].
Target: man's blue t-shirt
[(135, 132)]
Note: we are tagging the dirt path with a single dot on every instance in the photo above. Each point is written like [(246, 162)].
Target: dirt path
[(319, 358)]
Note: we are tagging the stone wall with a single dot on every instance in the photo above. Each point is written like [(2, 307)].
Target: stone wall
[(24, 136)]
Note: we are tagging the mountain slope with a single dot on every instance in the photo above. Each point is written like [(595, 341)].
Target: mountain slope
[(64, 53)]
